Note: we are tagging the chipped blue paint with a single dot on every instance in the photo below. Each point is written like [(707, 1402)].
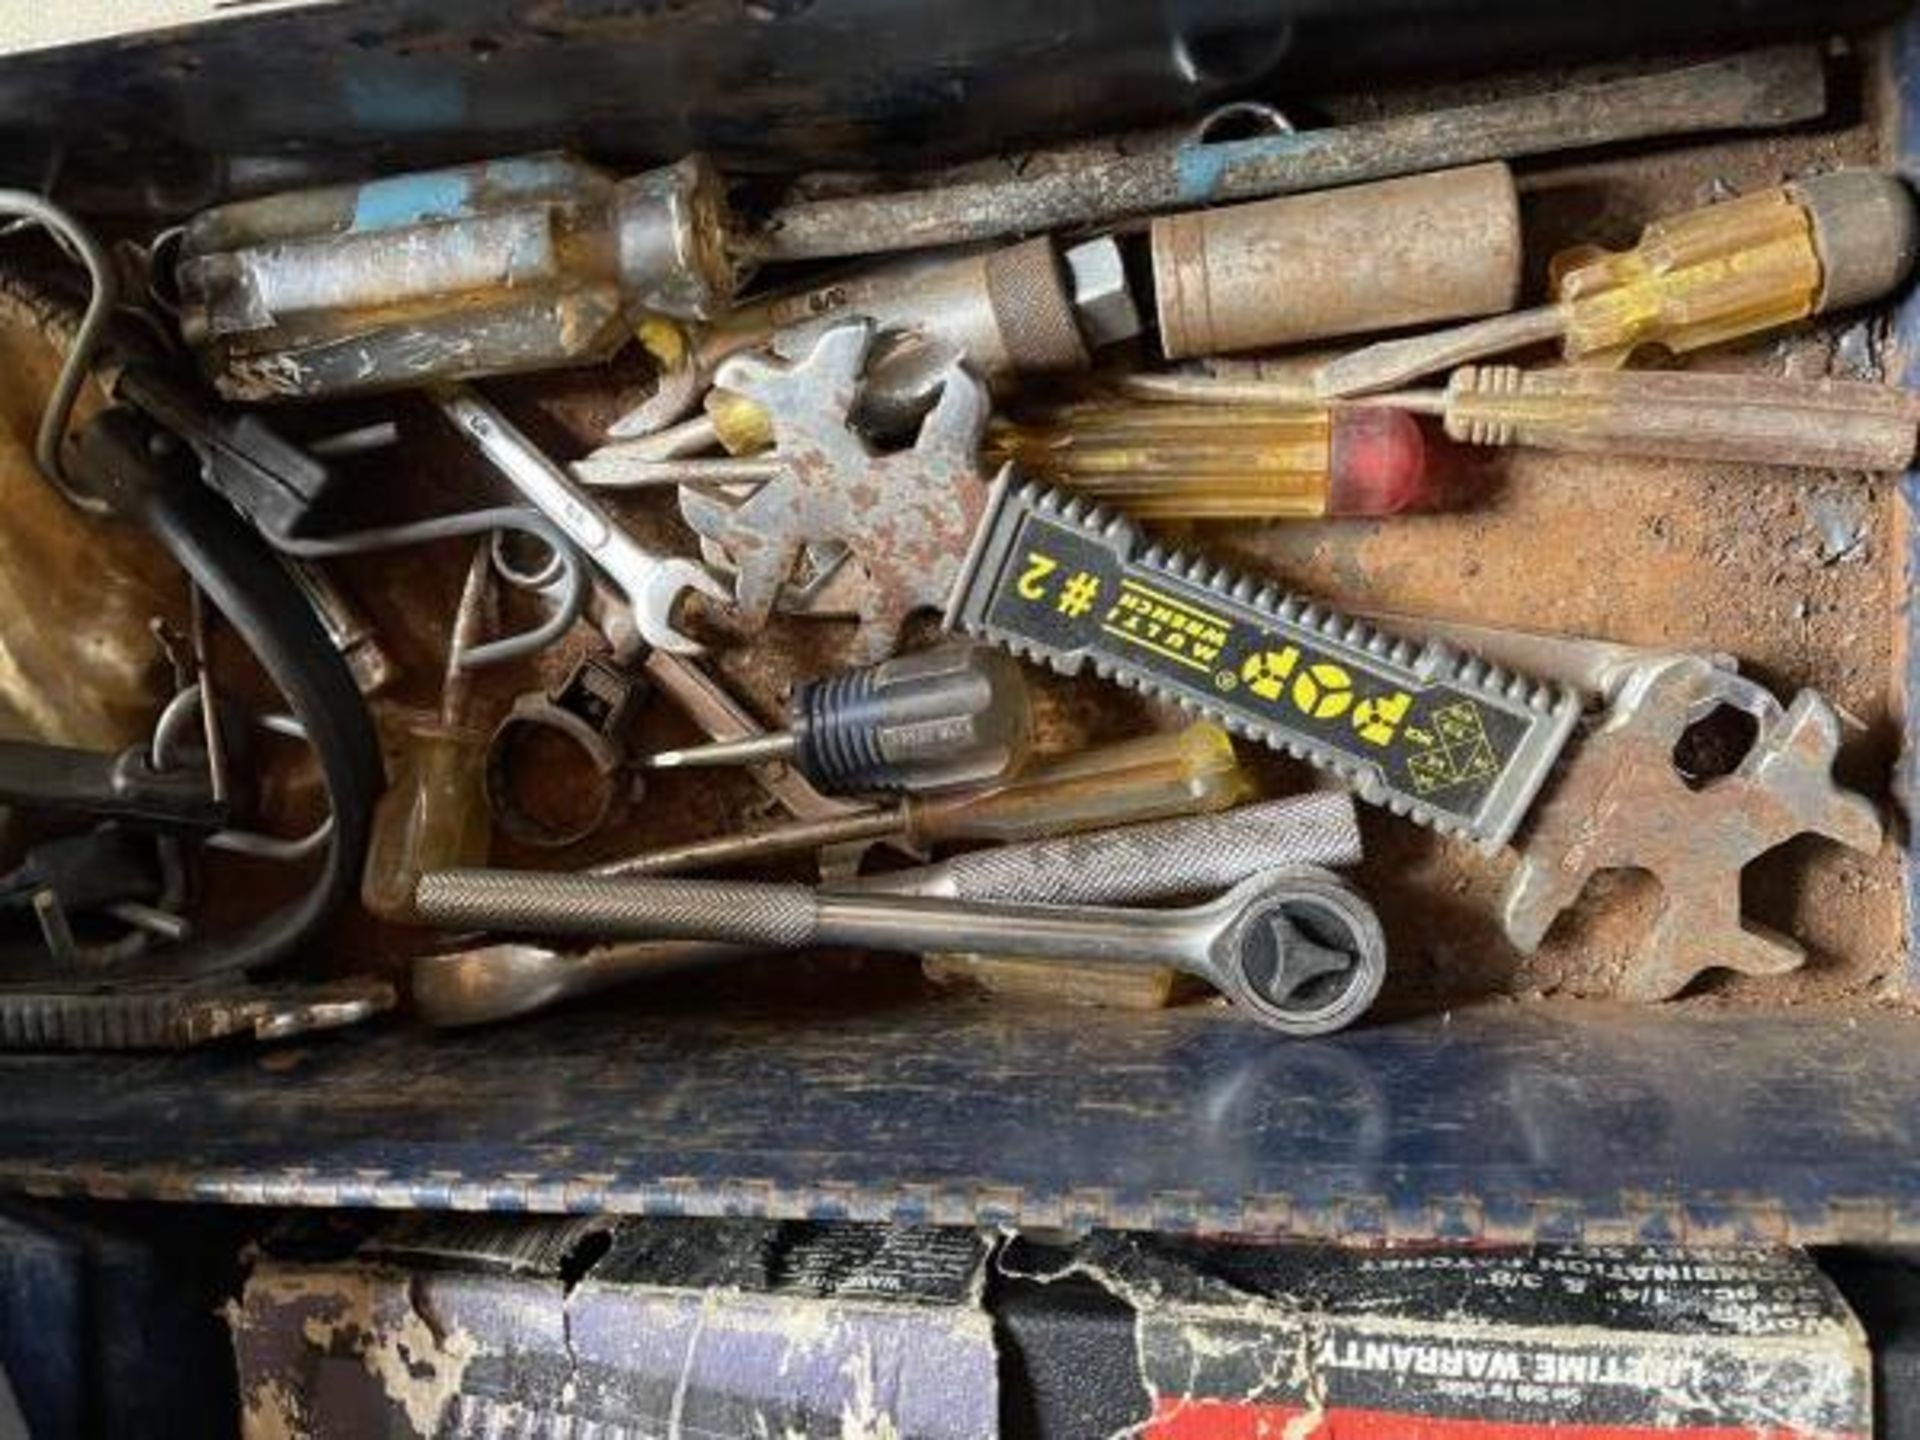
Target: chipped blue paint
[(411, 199), (1200, 171), (404, 200)]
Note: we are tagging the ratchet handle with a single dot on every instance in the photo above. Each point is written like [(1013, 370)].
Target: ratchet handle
[(1188, 855), (780, 917), (1442, 737)]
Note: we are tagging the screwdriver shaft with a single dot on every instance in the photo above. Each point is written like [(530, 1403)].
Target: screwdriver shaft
[(1395, 362), (760, 845), (748, 750), (619, 467)]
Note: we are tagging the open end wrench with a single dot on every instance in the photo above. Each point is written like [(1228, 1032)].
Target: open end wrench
[(1296, 949), (652, 584)]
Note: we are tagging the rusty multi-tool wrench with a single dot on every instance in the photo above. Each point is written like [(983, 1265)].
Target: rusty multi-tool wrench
[(1624, 803), (905, 517)]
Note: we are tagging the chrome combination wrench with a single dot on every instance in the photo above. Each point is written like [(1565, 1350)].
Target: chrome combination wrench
[(652, 584)]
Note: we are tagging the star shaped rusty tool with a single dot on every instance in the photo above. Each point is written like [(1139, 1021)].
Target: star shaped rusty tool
[(1622, 804), (906, 516)]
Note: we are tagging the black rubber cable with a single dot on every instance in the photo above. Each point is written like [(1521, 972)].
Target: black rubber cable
[(229, 560), (232, 564)]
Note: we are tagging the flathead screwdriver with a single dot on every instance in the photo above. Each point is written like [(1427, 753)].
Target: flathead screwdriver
[(1158, 461), (1154, 777), (939, 719), (1738, 268)]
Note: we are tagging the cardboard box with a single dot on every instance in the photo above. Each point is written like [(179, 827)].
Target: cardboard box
[(450, 1325), (443, 1325), (1595, 1343)]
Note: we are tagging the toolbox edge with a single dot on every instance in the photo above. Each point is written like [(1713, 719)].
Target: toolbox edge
[(1585, 1125)]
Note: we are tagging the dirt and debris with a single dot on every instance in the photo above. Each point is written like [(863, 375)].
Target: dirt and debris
[(1790, 571), (1793, 572)]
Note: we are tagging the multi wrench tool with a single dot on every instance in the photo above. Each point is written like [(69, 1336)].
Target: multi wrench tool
[(1425, 727), (905, 517)]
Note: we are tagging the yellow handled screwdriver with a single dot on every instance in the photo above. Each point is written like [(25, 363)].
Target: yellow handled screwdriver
[(1738, 268), (1186, 772), (1160, 461), (434, 813), (1210, 462)]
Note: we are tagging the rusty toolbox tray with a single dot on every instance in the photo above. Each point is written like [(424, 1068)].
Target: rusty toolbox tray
[(1493, 1098)]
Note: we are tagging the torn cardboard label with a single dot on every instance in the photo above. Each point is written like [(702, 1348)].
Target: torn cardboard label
[(454, 1326), (1601, 1344)]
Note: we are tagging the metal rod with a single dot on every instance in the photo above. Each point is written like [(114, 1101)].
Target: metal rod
[(346, 624), (1415, 402), (707, 703), (472, 619), (1760, 89), (162, 924), (748, 750), (218, 779), (380, 435), (759, 845), (55, 931), (622, 467), (693, 436), (1184, 387), (1394, 362)]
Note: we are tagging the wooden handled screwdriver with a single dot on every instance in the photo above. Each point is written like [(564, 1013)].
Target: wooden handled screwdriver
[(1677, 415)]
